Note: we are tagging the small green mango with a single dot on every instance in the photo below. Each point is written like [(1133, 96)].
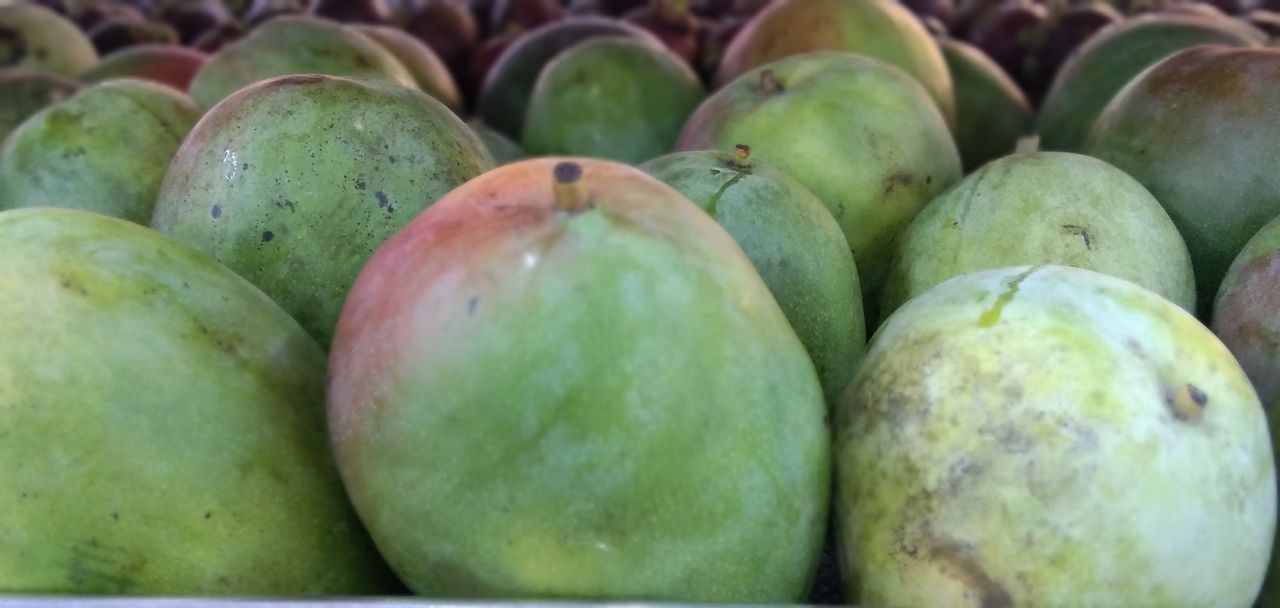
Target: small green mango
[(25, 92)]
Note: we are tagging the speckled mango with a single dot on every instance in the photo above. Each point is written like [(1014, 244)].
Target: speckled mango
[(611, 98), (295, 181), (587, 394), (1051, 436), (295, 45), (25, 92), (1199, 131), (161, 425), (1246, 314), (793, 242), (105, 149), (857, 132), (36, 38), (1043, 208)]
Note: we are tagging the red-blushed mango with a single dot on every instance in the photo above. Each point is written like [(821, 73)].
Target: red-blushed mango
[(565, 380), (162, 425), (1051, 436), (293, 182), (1246, 314), (880, 29), (167, 64), (1199, 130)]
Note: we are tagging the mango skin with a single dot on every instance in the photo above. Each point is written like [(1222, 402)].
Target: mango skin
[(1246, 313), (503, 149), (295, 45), (25, 92), (611, 98), (880, 29), (168, 64), (36, 38), (105, 149), (429, 73), (1013, 439), (1044, 208), (146, 395), (1198, 130), (294, 182), (793, 242), (992, 112), (1093, 74), (858, 133), (528, 402), (508, 87)]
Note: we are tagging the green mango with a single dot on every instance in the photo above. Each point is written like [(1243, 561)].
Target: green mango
[(429, 72), (36, 38), (1246, 312), (858, 133), (505, 93), (1043, 208), (295, 45), (1051, 436), (25, 92), (168, 64), (162, 425), (564, 380), (1094, 73), (880, 29), (294, 181), (1198, 131), (991, 111), (793, 242), (611, 98), (503, 150), (105, 149)]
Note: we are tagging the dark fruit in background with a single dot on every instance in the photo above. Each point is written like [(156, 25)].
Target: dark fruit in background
[(1100, 68), (716, 37), (167, 64), (522, 15), (262, 10), (673, 24), (504, 97), (112, 35), (352, 11), (618, 8), (25, 92), (205, 424), (294, 181), (1267, 21), (1199, 131), (87, 14), (482, 62), (70, 155), (1012, 36), (596, 464), (449, 29), (611, 98), (1066, 33), (36, 38), (431, 75), (213, 40), (943, 10), (192, 18), (991, 111)]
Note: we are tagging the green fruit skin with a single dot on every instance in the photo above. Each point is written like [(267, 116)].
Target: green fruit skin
[(1246, 313), (1013, 439), (295, 181), (1044, 208), (168, 64), (992, 113), (1094, 73), (25, 92), (295, 45), (36, 38), (429, 72), (504, 150), (793, 242), (1198, 130), (105, 149), (1270, 594), (880, 29), (162, 425), (607, 404), (611, 98), (856, 132), (508, 87)]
